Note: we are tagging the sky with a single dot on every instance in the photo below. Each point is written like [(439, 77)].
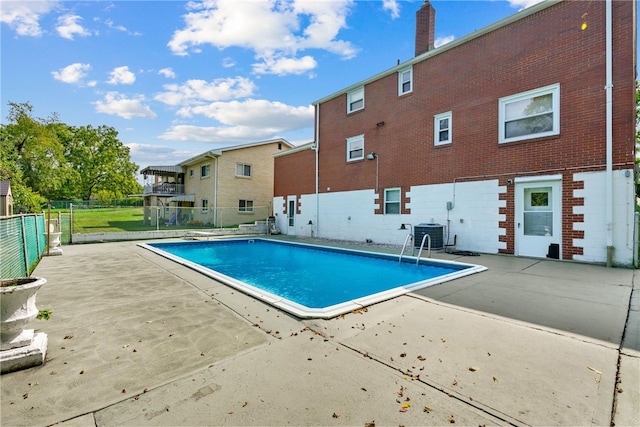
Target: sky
[(177, 78)]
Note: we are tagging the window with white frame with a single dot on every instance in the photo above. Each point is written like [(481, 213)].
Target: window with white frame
[(191, 173), (530, 114), (243, 169), (355, 100), (205, 170), (355, 148), (205, 205), (392, 201), (442, 129), (405, 81), (245, 205)]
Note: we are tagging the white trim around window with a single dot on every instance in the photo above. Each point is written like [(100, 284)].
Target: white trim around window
[(442, 125), (405, 81), (205, 205), (355, 148), (355, 100), (244, 170), (392, 201), (205, 170), (531, 114)]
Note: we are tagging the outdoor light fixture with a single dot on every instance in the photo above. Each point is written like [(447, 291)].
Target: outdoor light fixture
[(371, 156)]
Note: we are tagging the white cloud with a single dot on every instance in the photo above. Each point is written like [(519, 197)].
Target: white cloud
[(23, 17), (199, 91), (523, 4), (117, 104), (68, 26), (392, 6), (248, 120), (168, 73), (121, 75), (272, 29), (228, 62), (284, 66), (72, 74), (439, 41)]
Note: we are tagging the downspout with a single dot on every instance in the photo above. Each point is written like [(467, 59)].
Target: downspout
[(317, 144), (215, 193), (609, 124)]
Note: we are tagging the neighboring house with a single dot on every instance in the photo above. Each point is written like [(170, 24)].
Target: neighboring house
[(222, 187), (505, 138), (6, 199)]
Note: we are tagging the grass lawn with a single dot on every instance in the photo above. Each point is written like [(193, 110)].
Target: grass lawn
[(109, 220)]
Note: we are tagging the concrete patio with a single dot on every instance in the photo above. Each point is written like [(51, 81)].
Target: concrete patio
[(136, 339)]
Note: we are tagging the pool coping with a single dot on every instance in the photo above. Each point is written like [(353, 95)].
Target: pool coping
[(331, 311)]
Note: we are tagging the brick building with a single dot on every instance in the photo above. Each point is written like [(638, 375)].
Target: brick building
[(505, 138)]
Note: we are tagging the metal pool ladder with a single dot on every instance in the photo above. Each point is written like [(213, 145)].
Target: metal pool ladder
[(409, 238), (426, 237)]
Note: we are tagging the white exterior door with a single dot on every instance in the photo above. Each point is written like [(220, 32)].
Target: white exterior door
[(291, 215), (538, 216)]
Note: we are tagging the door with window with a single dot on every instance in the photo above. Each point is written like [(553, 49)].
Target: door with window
[(291, 215), (538, 217)]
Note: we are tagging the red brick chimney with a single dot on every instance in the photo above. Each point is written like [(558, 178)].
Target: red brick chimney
[(425, 28)]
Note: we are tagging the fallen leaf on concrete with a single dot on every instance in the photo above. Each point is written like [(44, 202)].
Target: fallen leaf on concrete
[(245, 403), (403, 409), (594, 370), (421, 357), (371, 424), (427, 409), (406, 405), (443, 339), (124, 390), (401, 391), (82, 372), (451, 420), (53, 373), (24, 396), (336, 415), (126, 345), (473, 368), (455, 382), (495, 380), (68, 337), (403, 354)]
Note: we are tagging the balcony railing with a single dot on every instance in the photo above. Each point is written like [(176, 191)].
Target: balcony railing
[(164, 188)]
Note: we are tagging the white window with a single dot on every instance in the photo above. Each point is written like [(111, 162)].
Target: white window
[(442, 129), (243, 169), (392, 201), (531, 114), (355, 148), (205, 205), (405, 81), (245, 205), (355, 100), (205, 171)]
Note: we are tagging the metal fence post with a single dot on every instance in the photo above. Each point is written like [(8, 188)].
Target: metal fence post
[(24, 246)]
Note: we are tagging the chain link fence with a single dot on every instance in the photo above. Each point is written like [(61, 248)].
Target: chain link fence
[(22, 244)]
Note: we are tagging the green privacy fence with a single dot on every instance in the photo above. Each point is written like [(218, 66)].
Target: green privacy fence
[(22, 244)]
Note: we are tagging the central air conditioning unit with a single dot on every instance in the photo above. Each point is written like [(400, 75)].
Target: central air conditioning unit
[(435, 231)]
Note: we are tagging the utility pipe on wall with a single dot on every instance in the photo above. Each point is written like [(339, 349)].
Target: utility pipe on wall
[(317, 144), (609, 136)]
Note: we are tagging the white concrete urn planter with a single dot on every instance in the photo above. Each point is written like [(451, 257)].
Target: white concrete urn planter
[(20, 348), (54, 243)]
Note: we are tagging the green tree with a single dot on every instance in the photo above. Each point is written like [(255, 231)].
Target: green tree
[(32, 157), (101, 161)]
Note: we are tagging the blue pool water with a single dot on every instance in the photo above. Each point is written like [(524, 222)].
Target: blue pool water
[(309, 276)]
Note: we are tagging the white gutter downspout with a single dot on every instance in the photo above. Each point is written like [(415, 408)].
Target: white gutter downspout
[(215, 195), (317, 172), (609, 161)]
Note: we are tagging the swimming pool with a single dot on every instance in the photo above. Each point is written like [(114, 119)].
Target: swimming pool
[(310, 281)]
